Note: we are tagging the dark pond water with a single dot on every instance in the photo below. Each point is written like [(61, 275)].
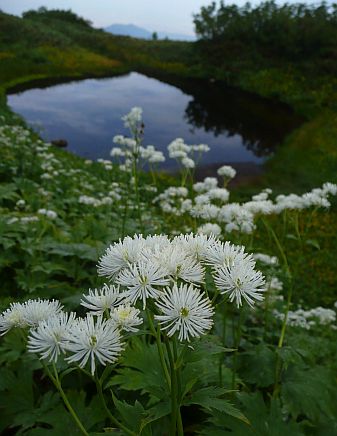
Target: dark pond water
[(239, 127)]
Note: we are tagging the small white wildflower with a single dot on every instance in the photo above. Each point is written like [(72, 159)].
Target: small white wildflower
[(265, 258), (210, 229), (185, 310), (51, 336), (119, 255), (94, 338), (187, 162), (226, 171), (100, 300), (142, 280), (239, 281), (126, 317)]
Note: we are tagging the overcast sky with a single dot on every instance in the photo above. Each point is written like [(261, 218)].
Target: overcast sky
[(154, 15)]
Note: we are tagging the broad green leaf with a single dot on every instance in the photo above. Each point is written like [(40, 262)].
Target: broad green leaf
[(210, 398)]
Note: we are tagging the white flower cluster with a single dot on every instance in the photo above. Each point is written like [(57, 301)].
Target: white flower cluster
[(266, 259), (95, 202), (308, 318), (48, 213), (185, 153), (147, 267), (53, 332), (209, 229), (130, 149), (107, 164), (211, 204), (173, 200), (133, 118), (23, 219), (227, 172)]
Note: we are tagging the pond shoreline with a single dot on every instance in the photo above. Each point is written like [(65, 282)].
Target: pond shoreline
[(240, 128)]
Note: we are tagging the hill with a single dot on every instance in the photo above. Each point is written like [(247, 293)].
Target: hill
[(140, 32)]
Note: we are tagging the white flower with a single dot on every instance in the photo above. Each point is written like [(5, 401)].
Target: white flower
[(94, 338), (265, 258), (103, 299), (221, 194), (51, 336), (185, 310), (12, 317), (133, 118), (48, 213), (201, 148), (239, 281), (225, 254), (120, 255), (179, 265), (226, 171), (141, 280), (187, 162), (195, 245), (20, 204), (210, 229), (38, 310), (116, 151), (28, 314), (126, 317)]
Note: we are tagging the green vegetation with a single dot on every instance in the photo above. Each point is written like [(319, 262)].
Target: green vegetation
[(59, 213)]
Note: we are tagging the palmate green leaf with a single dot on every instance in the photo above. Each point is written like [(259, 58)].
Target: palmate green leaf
[(82, 251), (90, 413), (49, 267), (310, 392), (141, 370), (133, 416), (204, 348), (16, 393), (210, 398), (8, 191), (263, 421), (257, 366)]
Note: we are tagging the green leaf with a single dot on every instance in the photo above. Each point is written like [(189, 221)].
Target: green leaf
[(263, 421), (210, 398), (141, 370), (314, 243), (133, 416), (310, 392), (257, 365), (8, 191)]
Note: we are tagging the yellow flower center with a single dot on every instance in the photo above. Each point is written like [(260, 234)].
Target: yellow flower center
[(93, 341), (184, 312)]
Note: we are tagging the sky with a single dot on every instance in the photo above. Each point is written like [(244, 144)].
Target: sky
[(154, 15)]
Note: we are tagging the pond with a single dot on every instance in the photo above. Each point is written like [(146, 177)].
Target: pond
[(238, 126)]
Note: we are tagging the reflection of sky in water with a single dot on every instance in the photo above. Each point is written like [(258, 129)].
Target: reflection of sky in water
[(87, 114)]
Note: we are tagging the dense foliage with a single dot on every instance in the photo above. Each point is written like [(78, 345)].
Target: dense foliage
[(58, 215), (298, 33)]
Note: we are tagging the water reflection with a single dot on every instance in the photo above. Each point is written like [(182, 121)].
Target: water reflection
[(262, 123), (238, 126)]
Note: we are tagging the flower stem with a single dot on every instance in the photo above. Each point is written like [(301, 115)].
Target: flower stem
[(279, 246), (174, 405), (135, 176), (178, 377), (106, 408), (237, 344), (57, 383), (221, 358), (157, 335)]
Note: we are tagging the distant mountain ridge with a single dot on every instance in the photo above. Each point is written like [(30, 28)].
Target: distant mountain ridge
[(140, 32)]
